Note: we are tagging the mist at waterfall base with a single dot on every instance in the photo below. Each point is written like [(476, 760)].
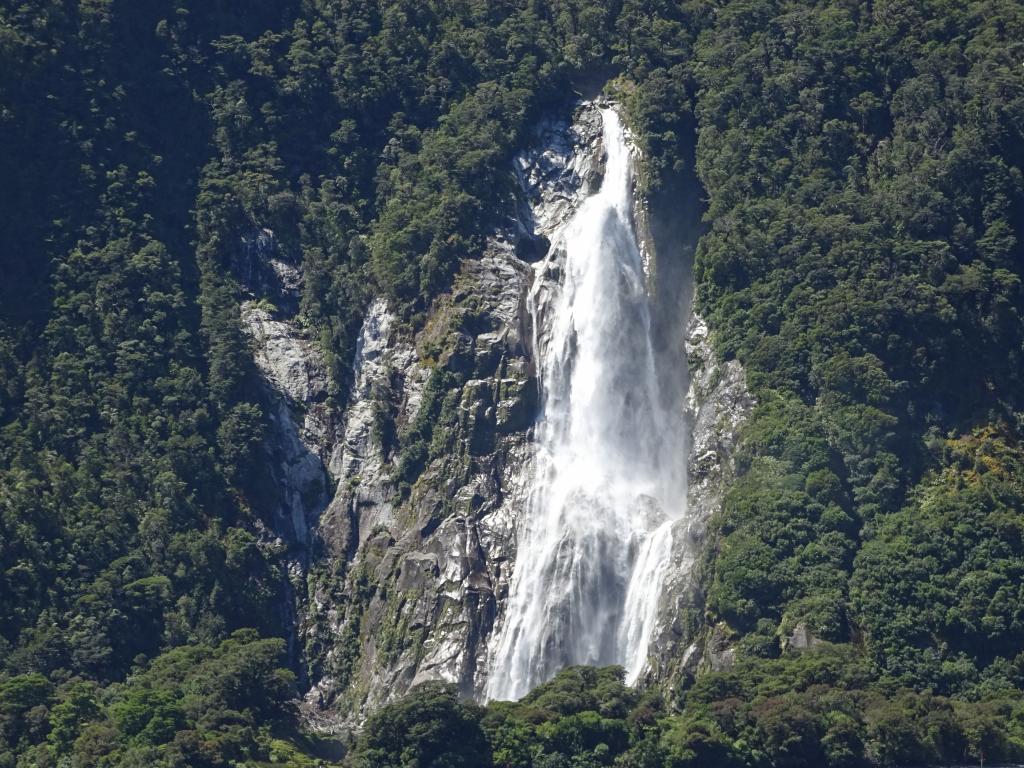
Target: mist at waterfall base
[(596, 536)]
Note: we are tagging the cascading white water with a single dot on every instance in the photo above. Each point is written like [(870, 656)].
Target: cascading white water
[(610, 480)]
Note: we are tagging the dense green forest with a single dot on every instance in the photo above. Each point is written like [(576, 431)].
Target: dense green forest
[(861, 165)]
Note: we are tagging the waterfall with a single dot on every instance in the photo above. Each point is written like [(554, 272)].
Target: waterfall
[(596, 536)]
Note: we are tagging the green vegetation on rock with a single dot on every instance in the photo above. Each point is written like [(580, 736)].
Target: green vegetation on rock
[(819, 707)]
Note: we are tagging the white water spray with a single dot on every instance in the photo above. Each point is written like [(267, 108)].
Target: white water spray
[(596, 537)]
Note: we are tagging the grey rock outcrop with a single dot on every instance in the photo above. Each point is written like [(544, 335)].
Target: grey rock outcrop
[(302, 427), (801, 638), (400, 510), (264, 271), (719, 650), (433, 463), (717, 405)]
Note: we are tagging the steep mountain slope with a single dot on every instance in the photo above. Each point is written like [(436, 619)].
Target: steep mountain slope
[(863, 260), (265, 383), (436, 461)]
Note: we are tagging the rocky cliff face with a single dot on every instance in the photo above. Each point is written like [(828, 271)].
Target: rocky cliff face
[(401, 510), (717, 405), (303, 429), (432, 465)]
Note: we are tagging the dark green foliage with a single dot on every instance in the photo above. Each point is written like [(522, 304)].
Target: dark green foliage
[(939, 587), (820, 708), (419, 444), (431, 727), (198, 705), (815, 708), (863, 256), (129, 420), (581, 717)]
